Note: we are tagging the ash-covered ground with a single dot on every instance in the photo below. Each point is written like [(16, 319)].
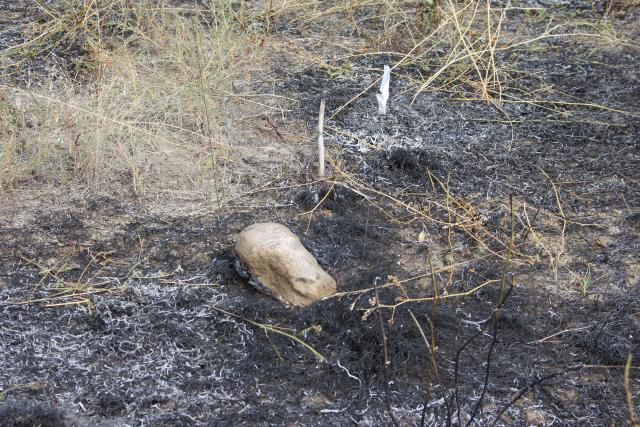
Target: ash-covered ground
[(113, 315)]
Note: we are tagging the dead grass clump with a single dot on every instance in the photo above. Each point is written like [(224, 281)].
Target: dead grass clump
[(159, 116)]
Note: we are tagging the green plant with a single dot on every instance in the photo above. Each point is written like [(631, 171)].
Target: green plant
[(586, 281)]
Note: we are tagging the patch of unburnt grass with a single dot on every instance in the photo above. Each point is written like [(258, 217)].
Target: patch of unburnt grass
[(167, 111)]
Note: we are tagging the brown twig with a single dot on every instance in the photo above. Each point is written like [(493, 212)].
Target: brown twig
[(627, 389), (275, 329), (273, 127), (387, 362)]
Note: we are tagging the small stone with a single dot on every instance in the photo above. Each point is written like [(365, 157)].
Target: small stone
[(535, 417), (315, 401), (272, 258)]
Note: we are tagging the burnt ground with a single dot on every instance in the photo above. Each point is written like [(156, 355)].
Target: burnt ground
[(123, 323)]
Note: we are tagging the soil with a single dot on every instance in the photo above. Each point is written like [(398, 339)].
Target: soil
[(111, 314)]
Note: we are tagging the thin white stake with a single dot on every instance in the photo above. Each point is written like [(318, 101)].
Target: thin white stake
[(321, 140), (383, 96)]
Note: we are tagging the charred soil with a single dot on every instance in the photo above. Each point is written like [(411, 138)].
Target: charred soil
[(487, 257)]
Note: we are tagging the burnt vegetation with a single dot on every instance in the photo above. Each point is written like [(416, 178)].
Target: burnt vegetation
[(484, 233)]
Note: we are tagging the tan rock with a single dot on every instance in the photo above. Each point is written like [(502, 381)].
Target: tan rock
[(275, 262), (314, 401), (535, 417)]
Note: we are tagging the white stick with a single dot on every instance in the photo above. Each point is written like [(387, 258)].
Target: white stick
[(383, 96), (321, 140)]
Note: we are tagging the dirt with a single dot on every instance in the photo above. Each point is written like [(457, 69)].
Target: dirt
[(123, 324)]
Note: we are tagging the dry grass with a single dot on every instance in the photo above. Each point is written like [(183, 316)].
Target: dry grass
[(166, 110), (172, 105)]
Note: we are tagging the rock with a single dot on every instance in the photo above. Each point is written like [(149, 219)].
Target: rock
[(536, 417), (275, 262), (314, 401)]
